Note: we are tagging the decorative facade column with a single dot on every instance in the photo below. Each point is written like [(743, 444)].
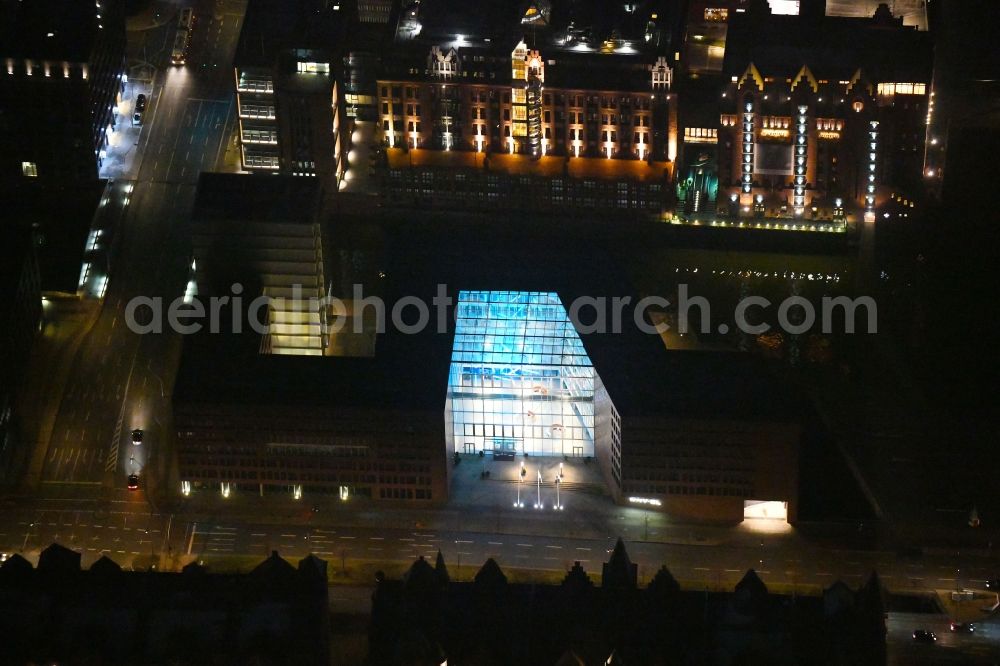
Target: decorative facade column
[(800, 160), (872, 166), (746, 168)]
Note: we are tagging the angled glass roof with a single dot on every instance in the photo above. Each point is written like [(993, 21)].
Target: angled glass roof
[(520, 379)]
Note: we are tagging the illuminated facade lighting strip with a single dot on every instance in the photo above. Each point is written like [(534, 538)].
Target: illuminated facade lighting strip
[(746, 176), (872, 162), (801, 157)]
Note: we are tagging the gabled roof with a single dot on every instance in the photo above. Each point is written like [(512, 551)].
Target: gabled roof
[(619, 571), (16, 565), (751, 75), (490, 576), (59, 559), (805, 75), (105, 566), (420, 575), (313, 566), (274, 566)]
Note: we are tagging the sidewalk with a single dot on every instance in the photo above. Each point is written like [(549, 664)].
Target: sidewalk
[(478, 505), (123, 143)]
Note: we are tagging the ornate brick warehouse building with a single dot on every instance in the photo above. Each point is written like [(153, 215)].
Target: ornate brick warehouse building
[(813, 121), (574, 108)]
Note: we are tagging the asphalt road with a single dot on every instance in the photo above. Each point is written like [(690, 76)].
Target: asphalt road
[(980, 647), (119, 527), (126, 529), (120, 379)]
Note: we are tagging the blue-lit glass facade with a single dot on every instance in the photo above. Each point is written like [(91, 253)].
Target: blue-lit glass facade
[(520, 379)]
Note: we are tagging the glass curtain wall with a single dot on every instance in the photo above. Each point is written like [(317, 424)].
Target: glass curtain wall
[(520, 380)]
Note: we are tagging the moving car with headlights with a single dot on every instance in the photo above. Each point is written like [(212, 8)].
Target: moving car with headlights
[(181, 40)]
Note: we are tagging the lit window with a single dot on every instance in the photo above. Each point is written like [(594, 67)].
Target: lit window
[(313, 67), (29, 169)]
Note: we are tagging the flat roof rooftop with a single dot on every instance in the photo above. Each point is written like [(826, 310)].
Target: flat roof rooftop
[(255, 197), (49, 29), (61, 219), (558, 24), (272, 26), (833, 47), (410, 371)]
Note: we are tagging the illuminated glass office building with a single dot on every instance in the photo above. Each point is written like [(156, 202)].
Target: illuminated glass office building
[(520, 380), (518, 369)]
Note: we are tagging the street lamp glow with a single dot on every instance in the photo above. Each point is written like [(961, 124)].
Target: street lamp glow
[(538, 498)]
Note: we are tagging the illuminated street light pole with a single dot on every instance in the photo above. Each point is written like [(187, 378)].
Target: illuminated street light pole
[(538, 501), (520, 480), (559, 505), (27, 535)]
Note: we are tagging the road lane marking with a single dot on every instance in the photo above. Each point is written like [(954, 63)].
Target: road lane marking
[(555, 547), (460, 541), (376, 538), (525, 545), (587, 549), (495, 543)]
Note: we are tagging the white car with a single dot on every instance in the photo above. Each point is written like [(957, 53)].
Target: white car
[(137, 436)]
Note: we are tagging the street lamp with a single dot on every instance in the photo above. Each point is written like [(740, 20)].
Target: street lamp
[(559, 505), (520, 480), (27, 534), (538, 501)]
